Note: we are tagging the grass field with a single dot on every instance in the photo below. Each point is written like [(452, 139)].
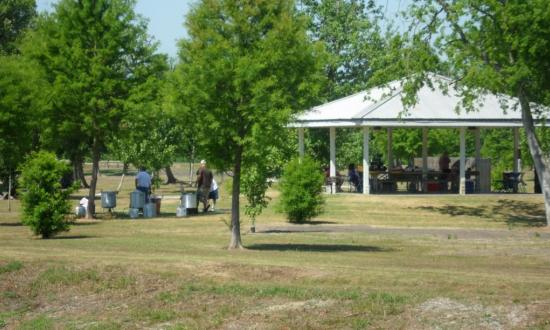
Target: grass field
[(411, 262)]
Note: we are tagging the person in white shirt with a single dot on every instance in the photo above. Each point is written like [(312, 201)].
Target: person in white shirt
[(213, 195), (143, 182)]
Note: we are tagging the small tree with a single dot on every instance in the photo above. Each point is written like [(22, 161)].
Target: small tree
[(246, 67), (301, 187), (45, 205)]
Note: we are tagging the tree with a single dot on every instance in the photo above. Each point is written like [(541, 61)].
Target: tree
[(95, 53), (21, 105), (498, 47), (45, 205), (15, 17), (246, 66), (301, 190), (148, 135), (20, 87), (350, 32), (358, 57)]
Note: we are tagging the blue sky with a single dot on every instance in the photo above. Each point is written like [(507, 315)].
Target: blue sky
[(166, 18)]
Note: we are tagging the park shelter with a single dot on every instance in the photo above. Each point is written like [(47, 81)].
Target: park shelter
[(436, 107)]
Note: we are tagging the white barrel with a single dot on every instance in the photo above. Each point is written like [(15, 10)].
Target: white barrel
[(137, 199), (181, 211), (80, 211), (133, 213), (150, 210)]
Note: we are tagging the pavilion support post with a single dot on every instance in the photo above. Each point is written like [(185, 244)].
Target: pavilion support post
[(390, 148), (462, 182), (366, 162), (516, 150), (516, 156), (301, 142), (424, 159), (333, 158), (477, 135)]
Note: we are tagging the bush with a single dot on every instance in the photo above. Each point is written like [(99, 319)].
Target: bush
[(45, 205), (301, 187)]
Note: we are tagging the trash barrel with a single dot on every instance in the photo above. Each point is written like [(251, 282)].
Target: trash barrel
[(157, 201)]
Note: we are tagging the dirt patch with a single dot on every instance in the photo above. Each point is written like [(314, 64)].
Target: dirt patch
[(446, 313), (294, 306)]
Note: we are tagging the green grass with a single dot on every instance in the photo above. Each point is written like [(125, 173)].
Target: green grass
[(176, 273), (11, 267)]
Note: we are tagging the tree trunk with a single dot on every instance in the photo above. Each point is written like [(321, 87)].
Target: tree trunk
[(235, 221), (170, 178), (191, 162), (81, 175), (125, 167), (540, 163), (78, 172), (93, 184)]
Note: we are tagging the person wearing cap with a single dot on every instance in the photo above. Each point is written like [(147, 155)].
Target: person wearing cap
[(204, 183)]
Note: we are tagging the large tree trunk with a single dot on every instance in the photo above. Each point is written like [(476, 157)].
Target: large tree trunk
[(543, 170), (235, 210), (170, 178), (93, 183)]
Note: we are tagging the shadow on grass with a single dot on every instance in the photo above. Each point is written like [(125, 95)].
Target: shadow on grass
[(315, 222), (10, 224), (512, 212), (85, 223), (316, 248), (72, 237)]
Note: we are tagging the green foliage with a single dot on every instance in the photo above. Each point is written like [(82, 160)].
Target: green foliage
[(21, 95), (45, 205), (15, 17), (95, 54), (301, 189), (244, 70), (149, 136), (351, 35), (255, 184)]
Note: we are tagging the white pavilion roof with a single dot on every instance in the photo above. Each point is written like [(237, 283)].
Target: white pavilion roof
[(382, 106)]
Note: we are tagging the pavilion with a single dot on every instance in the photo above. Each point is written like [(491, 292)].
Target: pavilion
[(382, 107)]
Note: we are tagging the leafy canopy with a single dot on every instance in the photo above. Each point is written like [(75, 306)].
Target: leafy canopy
[(247, 66), (15, 17)]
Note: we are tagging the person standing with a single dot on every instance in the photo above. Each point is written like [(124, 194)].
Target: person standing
[(444, 162), (204, 183), (143, 182), (213, 195)]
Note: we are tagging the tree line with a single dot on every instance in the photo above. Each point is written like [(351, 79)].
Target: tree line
[(86, 79)]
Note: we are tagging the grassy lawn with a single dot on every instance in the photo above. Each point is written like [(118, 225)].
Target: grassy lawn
[(438, 261)]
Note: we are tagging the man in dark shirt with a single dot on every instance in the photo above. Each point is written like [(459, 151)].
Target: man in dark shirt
[(204, 182)]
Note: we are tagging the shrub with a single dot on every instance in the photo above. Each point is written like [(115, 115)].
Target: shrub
[(301, 187), (45, 205)]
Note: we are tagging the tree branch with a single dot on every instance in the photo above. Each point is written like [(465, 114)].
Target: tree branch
[(458, 29)]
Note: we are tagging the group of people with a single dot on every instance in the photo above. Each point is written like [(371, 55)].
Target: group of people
[(207, 187), (354, 178)]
